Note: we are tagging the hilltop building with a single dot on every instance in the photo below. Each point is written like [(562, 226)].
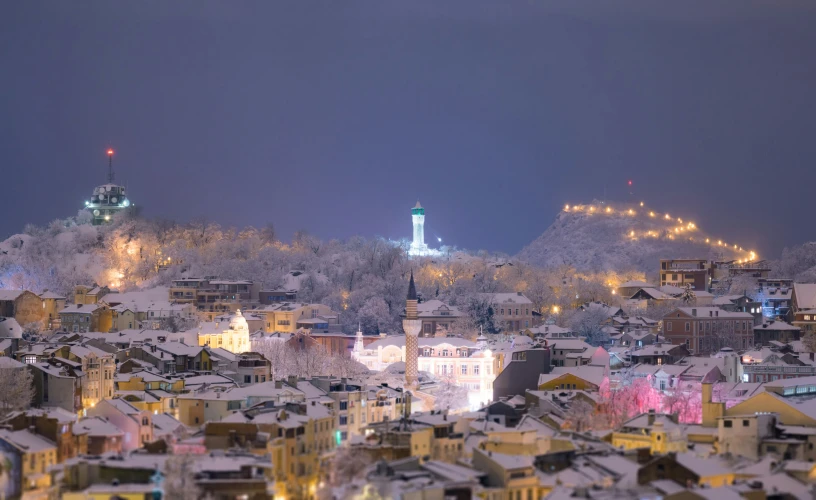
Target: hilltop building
[(108, 199), (418, 246)]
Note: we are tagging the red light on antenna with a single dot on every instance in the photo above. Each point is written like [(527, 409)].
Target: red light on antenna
[(630, 183), (110, 152)]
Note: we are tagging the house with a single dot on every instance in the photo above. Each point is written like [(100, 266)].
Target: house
[(584, 378), (89, 295), (740, 303), (774, 330), (86, 318), (98, 367), (53, 303), (687, 468), (288, 317), (513, 311), (776, 295), (27, 458), (24, 306), (658, 354), (137, 425), (514, 475), (54, 424), (629, 288), (682, 272), (707, 329), (803, 306), (58, 382), (102, 436)]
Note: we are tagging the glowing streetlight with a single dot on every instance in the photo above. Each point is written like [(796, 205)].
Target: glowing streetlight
[(668, 217), (651, 214), (641, 203), (608, 209), (566, 208), (440, 239)]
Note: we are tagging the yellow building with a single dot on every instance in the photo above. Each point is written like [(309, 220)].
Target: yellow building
[(284, 317), (53, 303), (561, 380), (233, 337), (33, 456)]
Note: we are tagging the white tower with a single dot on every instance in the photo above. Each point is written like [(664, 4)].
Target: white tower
[(358, 344), (418, 246)]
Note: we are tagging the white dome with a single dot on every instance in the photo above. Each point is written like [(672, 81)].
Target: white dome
[(238, 322)]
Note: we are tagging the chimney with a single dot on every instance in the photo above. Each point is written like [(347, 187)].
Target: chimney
[(651, 417), (710, 313), (518, 293), (694, 312)]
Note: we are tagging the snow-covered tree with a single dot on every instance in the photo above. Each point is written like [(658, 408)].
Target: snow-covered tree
[(590, 324), (688, 296), (17, 389), (449, 395), (580, 416), (179, 478)]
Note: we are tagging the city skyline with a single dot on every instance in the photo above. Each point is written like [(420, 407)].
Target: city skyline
[(363, 109)]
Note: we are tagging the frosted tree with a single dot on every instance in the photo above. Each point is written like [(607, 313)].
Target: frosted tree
[(348, 465), (590, 324), (373, 314), (449, 395), (688, 296), (579, 417), (179, 478), (17, 389)]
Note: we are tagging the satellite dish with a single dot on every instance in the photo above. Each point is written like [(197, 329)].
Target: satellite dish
[(113, 200), (96, 213)]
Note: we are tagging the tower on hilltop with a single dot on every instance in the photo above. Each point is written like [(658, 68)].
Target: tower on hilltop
[(107, 199), (418, 246), (412, 325)]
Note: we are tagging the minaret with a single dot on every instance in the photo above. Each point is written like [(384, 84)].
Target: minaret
[(412, 326), (358, 344), (418, 246)]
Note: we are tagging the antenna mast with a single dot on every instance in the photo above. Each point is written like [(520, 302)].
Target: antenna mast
[(110, 166)]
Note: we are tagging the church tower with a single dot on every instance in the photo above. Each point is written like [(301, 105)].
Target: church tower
[(412, 325), (418, 246)]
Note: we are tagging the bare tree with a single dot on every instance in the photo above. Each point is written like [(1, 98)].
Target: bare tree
[(450, 396), (579, 416)]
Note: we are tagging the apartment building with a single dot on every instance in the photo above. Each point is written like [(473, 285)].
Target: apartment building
[(803, 308), (212, 296), (682, 272)]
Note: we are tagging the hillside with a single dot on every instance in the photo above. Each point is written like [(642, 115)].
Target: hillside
[(616, 236)]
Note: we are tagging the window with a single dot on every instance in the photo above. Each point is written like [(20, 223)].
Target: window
[(464, 369), (343, 420), (688, 326), (475, 369), (343, 405), (746, 423), (668, 326), (727, 423), (807, 317)]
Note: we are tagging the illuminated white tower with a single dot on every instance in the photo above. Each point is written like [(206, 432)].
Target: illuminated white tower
[(418, 246), (412, 325), (358, 344)]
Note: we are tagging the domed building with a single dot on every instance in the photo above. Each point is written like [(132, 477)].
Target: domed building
[(232, 336), (108, 199)]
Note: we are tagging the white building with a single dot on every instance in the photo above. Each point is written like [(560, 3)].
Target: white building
[(463, 360), (418, 246), (233, 336)]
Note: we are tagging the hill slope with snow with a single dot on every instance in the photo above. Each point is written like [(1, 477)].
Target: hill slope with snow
[(600, 237)]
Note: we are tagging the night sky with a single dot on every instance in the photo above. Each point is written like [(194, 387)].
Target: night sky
[(335, 116)]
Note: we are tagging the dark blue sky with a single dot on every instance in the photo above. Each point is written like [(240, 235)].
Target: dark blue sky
[(335, 116)]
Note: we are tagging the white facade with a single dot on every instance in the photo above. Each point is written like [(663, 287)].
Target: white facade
[(460, 359), (234, 338)]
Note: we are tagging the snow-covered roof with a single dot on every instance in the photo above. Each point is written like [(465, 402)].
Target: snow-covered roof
[(509, 298), (433, 308), (51, 295), (776, 326), (636, 284), (714, 312), (10, 328), (26, 441), (10, 294), (81, 309), (805, 295), (97, 426)]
